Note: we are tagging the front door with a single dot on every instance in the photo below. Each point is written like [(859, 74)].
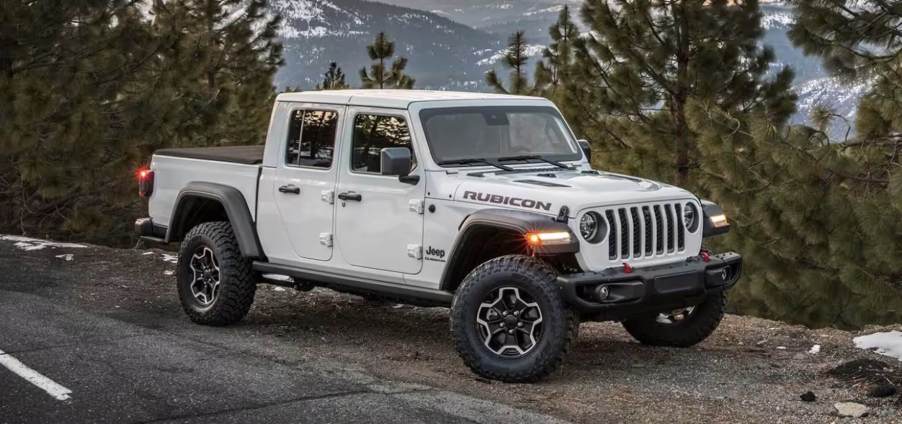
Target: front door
[(305, 181), (379, 224)]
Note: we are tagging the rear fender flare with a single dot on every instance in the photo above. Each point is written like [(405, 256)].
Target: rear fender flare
[(236, 210)]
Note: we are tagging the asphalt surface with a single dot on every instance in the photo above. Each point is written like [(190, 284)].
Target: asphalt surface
[(104, 332), (127, 366)]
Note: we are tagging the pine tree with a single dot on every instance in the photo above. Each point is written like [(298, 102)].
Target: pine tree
[(218, 69), (819, 234), (643, 61), (821, 220), (89, 89), (72, 89), (515, 59), (553, 70), (862, 41), (333, 79), (381, 51)]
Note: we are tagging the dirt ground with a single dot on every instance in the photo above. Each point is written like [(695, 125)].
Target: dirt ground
[(750, 370)]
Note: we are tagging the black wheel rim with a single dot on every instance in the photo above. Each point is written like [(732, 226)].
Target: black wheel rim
[(509, 322), (206, 277)]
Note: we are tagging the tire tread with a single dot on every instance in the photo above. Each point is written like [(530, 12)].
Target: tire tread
[(237, 288), (537, 270), (706, 319)]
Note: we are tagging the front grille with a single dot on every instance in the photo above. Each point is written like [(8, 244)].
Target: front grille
[(645, 231)]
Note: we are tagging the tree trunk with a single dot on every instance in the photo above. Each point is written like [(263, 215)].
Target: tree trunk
[(679, 97)]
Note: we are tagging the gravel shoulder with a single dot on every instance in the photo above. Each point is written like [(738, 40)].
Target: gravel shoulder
[(750, 370)]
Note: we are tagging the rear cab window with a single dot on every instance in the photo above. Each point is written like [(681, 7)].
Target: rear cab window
[(311, 138)]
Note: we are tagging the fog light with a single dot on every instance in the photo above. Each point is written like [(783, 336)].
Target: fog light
[(602, 293)]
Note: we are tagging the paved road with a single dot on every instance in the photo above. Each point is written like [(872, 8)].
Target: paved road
[(135, 367)]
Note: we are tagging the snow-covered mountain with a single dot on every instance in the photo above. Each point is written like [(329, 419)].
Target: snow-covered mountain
[(442, 53), (450, 44)]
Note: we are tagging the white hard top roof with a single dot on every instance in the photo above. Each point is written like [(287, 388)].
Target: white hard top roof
[(396, 99)]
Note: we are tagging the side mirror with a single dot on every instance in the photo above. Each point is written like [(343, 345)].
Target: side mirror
[(397, 161), (586, 147)]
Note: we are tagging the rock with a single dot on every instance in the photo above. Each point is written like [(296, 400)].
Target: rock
[(850, 409), (808, 397), (882, 390)]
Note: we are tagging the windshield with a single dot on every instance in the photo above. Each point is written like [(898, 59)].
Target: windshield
[(474, 135)]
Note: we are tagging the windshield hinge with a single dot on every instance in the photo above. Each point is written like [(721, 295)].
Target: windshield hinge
[(563, 215)]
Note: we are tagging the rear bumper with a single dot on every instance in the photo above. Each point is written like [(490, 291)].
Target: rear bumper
[(146, 229), (652, 289)]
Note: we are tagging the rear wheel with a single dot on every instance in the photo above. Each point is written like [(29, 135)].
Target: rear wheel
[(509, 322), (215, 282), (680, 328)]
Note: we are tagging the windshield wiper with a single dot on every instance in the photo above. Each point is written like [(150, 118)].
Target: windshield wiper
[(534, 157), (469, 161)]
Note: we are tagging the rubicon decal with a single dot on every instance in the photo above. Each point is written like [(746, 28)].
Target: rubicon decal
[(507, 200)]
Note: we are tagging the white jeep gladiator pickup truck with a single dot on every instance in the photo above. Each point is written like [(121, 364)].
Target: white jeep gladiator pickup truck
[(483, 203)]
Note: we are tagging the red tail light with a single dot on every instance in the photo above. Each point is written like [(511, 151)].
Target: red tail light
[(145, 182)]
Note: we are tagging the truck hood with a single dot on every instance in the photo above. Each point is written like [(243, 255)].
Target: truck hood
[(546, 191)]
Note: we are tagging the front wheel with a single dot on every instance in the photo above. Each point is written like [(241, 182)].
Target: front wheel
[(509, 322), (215, 282), (680, 328)]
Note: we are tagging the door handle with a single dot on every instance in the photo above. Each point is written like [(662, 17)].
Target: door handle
[(350, 195), (291, 188)]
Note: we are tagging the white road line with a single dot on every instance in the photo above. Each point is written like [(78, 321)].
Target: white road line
[(34, 377)]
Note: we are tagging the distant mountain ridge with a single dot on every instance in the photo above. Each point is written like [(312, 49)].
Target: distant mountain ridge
[(442, 53), (450, 44)]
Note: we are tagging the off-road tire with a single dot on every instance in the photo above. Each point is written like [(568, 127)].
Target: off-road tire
[(537, 279), (237, 281), (703, 320)]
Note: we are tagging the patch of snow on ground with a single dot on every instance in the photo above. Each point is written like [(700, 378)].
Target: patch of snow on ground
[(815, 349), (169, 272), (27, 243), (885, 343), (67, 257), (170, 258), (277, 277)]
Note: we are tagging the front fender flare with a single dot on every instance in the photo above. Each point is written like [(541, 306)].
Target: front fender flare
[(521, 222)]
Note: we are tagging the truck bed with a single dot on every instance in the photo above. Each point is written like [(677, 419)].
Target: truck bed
[(247, 155)]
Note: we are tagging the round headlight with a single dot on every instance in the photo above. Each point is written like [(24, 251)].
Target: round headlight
[(690, 217), (592, 227)]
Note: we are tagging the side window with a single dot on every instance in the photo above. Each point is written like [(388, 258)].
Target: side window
[(372, 133), (311, 138)]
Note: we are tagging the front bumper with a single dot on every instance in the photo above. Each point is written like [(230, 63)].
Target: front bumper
[(648, 290)]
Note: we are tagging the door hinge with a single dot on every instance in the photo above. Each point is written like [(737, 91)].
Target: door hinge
[(417, 205), (415, 251), (328, 196), (325, 239)]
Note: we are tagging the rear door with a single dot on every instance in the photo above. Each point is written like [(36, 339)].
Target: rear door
[(379, 224), (305, 179)]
